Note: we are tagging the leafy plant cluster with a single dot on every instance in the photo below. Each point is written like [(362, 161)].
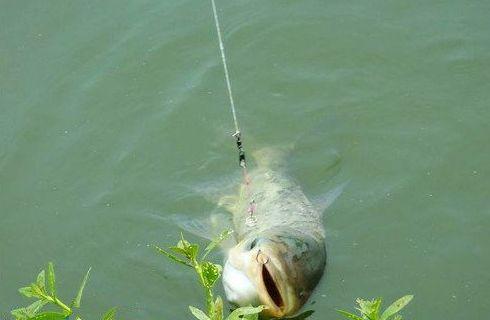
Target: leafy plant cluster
[(208, 273), (370, 309), (44, 291)]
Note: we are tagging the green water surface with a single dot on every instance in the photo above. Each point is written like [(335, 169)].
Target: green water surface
[(113, 114)]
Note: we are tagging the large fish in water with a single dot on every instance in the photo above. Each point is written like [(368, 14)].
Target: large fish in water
[(279, 255)]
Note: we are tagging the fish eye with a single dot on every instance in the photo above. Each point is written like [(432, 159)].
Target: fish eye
[(252, 244)]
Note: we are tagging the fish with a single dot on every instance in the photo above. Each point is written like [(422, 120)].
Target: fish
[(280, 255)]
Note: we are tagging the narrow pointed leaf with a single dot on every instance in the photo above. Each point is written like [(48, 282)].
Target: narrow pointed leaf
[(51, 280), (29, 311), (216, 242), (218, 309), (396, 306), (244, 311), (190, 252), (253, 316), (49, 316), (27, 292), (110, 314), (172, 257), (186, 248), (78, 298), (349, 315), (33, 308), (41, 280), (199, 314), (302, 316), (369, 308), (37, 291), (179, 250), (183, 240), (20, 313)]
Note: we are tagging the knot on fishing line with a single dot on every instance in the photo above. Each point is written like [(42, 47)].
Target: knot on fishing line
[(241, 151)]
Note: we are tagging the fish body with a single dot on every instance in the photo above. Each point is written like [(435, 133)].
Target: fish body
[(280, 254), (278, 202)]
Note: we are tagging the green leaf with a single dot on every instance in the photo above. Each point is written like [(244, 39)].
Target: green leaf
[(27, 292), (254, 316), (369, 308), (41, 280), (29, 311), (199, 314), (183, 243), (49, 316), (186, 248), (237, 314), (172, 257), (78, 298), (396, 306), (211, 273), (37, 291), (51, 280), (216, 242), (349, 315), (190, 252), (20, 313), (179, 250), (398, 317), (110, 314), (302, 316), (218, 309), (33, 308)]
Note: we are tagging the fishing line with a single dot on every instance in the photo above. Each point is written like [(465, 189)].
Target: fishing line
[(237, 134), (251, 219)]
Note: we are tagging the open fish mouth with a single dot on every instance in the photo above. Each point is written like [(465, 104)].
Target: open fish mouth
[(271, 288), (272, 295)]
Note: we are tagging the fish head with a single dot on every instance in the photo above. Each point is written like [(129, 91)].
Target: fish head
[(276, 268)]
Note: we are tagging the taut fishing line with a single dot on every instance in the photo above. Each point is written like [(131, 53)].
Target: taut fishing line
[(237, 134), (251, 220)]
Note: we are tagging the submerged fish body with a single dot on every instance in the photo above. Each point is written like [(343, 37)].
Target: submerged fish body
[(280, 255)]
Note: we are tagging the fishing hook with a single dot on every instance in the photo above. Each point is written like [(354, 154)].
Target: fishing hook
[(260, 258)]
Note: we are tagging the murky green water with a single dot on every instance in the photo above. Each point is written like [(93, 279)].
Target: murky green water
[(112, 112)]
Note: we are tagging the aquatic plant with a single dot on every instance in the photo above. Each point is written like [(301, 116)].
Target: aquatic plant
[(187, 254), (208, 273), (44, 291), (370, 309)]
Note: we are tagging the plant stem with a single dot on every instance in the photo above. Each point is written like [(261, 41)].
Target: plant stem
[(63, 306), (59, 303), (208, 292)]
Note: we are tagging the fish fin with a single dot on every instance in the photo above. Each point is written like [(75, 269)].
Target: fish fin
[(325, 201), (207, 228), (272, 157)]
